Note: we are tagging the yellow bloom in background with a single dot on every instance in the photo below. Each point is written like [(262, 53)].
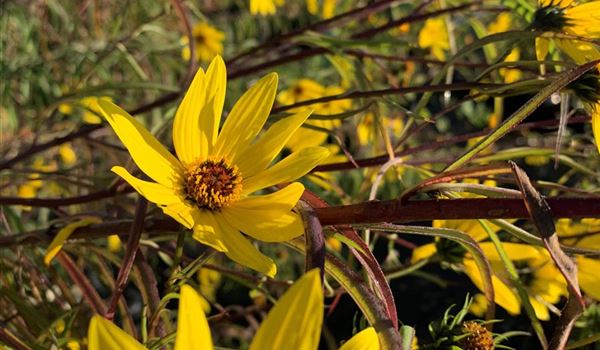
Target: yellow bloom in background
[(568, 17), (209, 187), (327, 7), (208, 42), (114, 244), (91, 113), (543, 282), (511, 74), (583, 234), (308, 89), (34, 183), (293, 323), (502, 23), (264, 7), (209, 281), (596, 124), (434, 36), (67, 154), (368, 131)]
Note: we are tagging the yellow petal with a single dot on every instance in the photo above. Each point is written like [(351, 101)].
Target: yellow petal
[(295, 321), (192, 327), (271, 225), (364, 340), (149, 155), (197, 119), (206, 230), (541, 311), (423, 252), (240, 250), (515, 251), (286, 197), (172, 202), (104, 335), (246, 119), (63, 235), (588, 275), (258, 156), (596, 125), (291, 168), (503, 295), (541, 48)]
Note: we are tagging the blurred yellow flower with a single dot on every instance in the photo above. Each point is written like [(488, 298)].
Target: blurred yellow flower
[(73, 345), (584, 234), (209, 187), (264, 7), (596, 124), (502, 23), (67, 155), (34, 183), (208, 42), (327, 8), (293, 323), (511, 74), (543, 282), (114, 244), (568, 17), (368, 132), (434, 36), (308, 89)]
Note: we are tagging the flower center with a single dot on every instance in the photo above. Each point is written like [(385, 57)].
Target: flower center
[(477, 337), (549, 18), (213, 184)]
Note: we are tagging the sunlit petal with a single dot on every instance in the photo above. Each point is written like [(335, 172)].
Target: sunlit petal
[(171, 201), (364, 340), (64, 234), (503, 295), (289, 169), (196, 122), (240, 250), (105, 335), (149, 155), (295, 321), (589, 277), (260, 154), (192, 327), (423, 252), (246, 119), (206, 230), (272, 225)]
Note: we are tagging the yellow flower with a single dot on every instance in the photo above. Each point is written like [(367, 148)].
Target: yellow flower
[(568, 17), (434, 36), (209, 187), (91, 113), (73, 345), (293, 323), (596, 124), (327, 10), (208, 42), (502, 23), (65, 108), (543, 282), (114, 244), (264, 7), (580, 234), (67, 154), (511, 74), (308, 89)]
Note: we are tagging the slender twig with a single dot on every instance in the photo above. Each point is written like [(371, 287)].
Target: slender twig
[(133, 242)]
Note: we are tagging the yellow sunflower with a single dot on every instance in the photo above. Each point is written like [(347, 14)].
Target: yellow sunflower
[(208, 42), (209, 186), (542, 280), (568, 17)]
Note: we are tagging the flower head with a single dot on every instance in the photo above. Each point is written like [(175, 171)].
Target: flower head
[(208, 42), (209, 186)]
